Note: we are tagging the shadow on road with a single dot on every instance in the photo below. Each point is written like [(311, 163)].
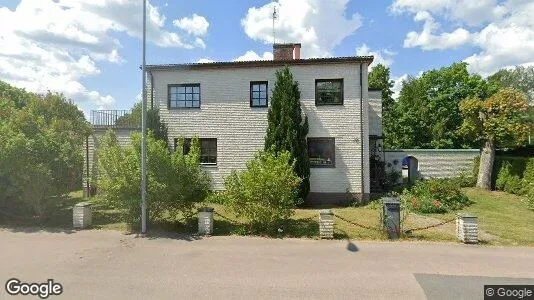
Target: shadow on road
[(350, 245)]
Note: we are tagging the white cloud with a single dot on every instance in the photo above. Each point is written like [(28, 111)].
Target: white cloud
[(501, 32), (205, 60), (251, 55), (318, 25), (464, 11), (54, 44), (384, 57), (195, 25), (427, 40)]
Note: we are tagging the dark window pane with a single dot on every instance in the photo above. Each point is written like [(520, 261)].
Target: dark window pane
[(321, 152), (329, 91), (183, 95), (258, 94)]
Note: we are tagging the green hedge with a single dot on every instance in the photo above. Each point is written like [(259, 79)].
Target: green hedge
[(512, 174)]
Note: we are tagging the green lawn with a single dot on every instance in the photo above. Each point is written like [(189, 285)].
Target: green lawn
[(503, 220)]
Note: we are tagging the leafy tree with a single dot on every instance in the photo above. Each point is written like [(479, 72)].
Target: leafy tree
[(379, 78), (499, 121), (175, 180), (40, 153), (264, 192), (153, 121), (520, 78), (287, 129), (427, 111)]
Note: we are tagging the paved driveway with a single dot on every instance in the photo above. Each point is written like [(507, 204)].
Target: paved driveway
[(111, 265)]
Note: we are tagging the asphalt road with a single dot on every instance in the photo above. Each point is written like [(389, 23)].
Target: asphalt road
[(111, 265)]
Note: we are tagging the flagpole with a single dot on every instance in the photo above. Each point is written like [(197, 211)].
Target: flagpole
[(143, 129)]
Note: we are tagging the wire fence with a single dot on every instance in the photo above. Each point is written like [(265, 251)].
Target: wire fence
[(407, 231), (357, 224)]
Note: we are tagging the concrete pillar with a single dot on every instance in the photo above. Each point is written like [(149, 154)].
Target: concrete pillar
[(205, 221), (326, 224), (82, 216), (467, 228)]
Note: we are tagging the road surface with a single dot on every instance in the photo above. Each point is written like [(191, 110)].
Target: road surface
[(104, 264)]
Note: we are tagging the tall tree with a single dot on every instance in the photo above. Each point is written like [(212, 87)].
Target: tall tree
[(287, 129), (379, 78), (520, 78), (427, 112), (499, 121)]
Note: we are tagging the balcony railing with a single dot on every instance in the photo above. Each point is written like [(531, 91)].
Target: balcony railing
[(115, 119)]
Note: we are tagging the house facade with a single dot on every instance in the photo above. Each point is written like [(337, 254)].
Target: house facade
[(225, 104)]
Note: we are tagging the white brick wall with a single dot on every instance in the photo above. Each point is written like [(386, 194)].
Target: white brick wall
[(436, 163), (226, 114)]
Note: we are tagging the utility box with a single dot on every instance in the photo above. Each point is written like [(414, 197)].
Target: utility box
[(467, 228), (82, 216), (391, 216), (205, 220), (326, 224)]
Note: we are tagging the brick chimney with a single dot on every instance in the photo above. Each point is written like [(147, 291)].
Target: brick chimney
[(286, 51)]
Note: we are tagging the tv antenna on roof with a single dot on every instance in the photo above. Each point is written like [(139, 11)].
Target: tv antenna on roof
[(275, 16)]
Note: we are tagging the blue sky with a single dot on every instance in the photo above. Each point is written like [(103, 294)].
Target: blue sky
[(91, 50)]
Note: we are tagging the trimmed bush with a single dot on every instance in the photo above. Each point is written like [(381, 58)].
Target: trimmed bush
[(434, 196), (264, 192)]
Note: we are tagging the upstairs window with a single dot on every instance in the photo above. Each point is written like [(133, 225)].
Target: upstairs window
[(322, 152), (329, 92), (258, 93), (208, 149), (184, 95)]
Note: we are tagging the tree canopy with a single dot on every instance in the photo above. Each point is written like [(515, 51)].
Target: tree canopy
[(41, 149), (499, 121), (379, 78), (427, 111)]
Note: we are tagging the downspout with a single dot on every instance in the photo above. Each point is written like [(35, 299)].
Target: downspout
[(361, 133)]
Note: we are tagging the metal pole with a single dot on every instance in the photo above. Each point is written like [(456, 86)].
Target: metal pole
[(143, 129)]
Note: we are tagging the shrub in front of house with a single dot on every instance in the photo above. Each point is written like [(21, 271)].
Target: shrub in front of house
[(264, 192), (434, 196), (175, 181)]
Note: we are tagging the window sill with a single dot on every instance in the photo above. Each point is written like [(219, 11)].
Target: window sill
[(328, 104), (178, 108), (209, 165), (322, 167)]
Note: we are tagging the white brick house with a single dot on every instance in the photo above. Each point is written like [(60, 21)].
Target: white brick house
[(225, 104)]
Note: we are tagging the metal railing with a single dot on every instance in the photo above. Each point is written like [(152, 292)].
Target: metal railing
[(115, 119)]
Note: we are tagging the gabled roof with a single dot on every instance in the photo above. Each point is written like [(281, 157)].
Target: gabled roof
[(263, 63)]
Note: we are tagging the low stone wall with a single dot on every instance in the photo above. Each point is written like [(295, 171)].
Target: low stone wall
[(92, 143), (434, 163)]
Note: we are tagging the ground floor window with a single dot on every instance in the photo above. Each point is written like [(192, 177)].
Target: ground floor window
[(322, 152), (208, 149)]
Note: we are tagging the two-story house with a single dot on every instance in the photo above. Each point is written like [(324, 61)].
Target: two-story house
[(225, 104)]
